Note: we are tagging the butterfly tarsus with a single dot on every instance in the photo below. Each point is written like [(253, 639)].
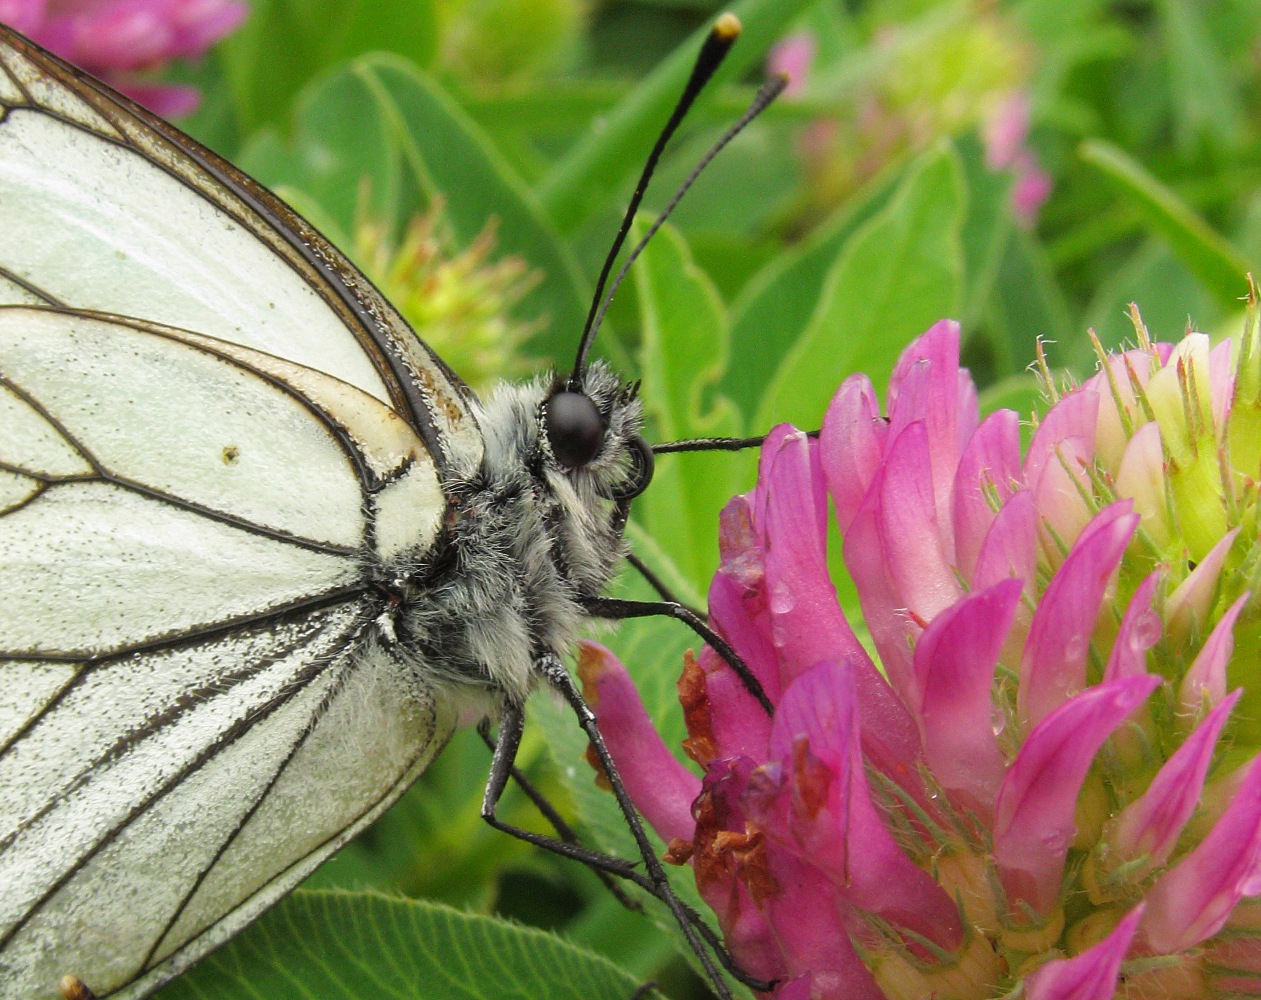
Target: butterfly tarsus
[(504, 745), (616, 609), (714, 444), (553, 670), (558, 823), (659, 585)]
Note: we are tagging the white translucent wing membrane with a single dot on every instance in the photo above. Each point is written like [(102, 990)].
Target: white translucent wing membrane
[(211, 429), (108, 208)]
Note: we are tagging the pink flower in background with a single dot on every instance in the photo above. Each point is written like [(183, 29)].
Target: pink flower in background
[(1006, 134), (1046, 780), (120, 40), (792, 55)]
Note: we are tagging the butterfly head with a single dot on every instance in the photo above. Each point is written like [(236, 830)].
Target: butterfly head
[(589, 430)]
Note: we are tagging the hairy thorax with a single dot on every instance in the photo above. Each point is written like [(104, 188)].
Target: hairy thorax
[(526, 544)]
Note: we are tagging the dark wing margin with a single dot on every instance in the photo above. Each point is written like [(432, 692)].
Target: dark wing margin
[(420, 386)]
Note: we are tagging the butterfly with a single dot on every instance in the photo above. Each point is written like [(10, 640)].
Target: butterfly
[(260, 549)]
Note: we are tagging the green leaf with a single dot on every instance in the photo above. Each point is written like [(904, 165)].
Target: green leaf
[(1166, 293), (986, 229), (1204, 100), (343, 147), (778, 302), (1207, 253), (1027, 303), (285, 43), (899, 274), (684, 346), (449, 154), (379, 121), (582, 181), (365, 946)]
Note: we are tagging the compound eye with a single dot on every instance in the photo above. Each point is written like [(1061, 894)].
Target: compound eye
[(574, 428)]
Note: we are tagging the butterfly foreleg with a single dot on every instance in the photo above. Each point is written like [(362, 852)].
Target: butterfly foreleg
[(616, 609)]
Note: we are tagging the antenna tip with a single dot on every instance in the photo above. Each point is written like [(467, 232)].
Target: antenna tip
[(727, 27)]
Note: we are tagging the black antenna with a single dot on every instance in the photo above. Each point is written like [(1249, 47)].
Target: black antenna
[(717, 44), (714, 444), (770, 90)]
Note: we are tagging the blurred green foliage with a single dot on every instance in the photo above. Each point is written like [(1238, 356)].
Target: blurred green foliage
[(854, 213)]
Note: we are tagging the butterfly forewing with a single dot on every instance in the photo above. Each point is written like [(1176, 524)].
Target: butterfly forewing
[(108, 208), (213, 432)]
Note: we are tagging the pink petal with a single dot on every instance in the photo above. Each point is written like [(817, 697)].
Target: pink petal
[(798, 988), (1114, 384), (1062, 449), (200, 23), (833, 821), (723, 718), (1221, 382), (766, 459), (1006, 130), (811, 933), (1033, 813), (737, 594), (792, 55), (1187, 608), (660, 786), (166, 100), (990, 462), (1054, 664), (968, 410), (731, 871), (1205, 683), (1192, 901), (925, 388), (807, 624), (890, 736), (1092, 975), (884, 613), (1010, 548), (1141, 476), (26, 16), (850, 445), (955, 660), (123, 36), (911, 531), (1031, 190), (924, 384), (1140, 631), (1150, 825)]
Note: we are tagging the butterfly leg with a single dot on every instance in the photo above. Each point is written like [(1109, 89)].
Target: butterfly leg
[(616, 610), (507, 742), (613, 867), (688, 920), (659, 585), (563, 830)]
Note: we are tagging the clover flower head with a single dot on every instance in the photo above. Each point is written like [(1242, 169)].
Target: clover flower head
[(1043, 780), (121, 41)]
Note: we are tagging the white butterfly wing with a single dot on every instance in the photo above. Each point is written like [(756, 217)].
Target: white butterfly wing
[(198, 697), (109, 208)]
